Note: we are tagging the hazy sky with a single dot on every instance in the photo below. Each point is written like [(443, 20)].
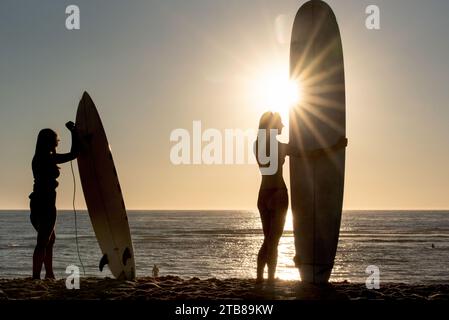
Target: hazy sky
[(154, 66)]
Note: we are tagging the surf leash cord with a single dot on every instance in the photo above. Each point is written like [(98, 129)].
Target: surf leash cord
[(75, 214)]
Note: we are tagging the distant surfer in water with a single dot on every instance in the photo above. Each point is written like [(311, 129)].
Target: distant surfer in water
[(43, 198), (273, 197)]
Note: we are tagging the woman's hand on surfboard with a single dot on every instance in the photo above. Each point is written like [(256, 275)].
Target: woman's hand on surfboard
[(70, 125), (341, 143)]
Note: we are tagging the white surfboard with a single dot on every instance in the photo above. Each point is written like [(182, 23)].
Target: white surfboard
[(318, 121), (103, 194)]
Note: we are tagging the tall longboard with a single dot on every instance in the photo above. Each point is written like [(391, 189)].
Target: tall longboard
[(102, 192), (316, 61)]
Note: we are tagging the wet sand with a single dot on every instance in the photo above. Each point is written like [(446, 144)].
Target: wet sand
[(176, 288)]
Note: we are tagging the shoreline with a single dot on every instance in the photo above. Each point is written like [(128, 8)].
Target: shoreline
[(177, 288)]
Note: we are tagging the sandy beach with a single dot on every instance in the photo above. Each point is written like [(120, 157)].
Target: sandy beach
[(176, 288)]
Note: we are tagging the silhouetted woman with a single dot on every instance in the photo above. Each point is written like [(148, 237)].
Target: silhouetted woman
[(43, 198), (273, 197)]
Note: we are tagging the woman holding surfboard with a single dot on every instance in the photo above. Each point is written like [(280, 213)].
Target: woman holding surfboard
[(43, 198), (273, 197)]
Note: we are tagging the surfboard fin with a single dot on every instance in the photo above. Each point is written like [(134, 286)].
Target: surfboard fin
[(126, 255), (104, 261)]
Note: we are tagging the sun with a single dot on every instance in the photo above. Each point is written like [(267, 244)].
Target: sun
[(280, 92), (275, 91)]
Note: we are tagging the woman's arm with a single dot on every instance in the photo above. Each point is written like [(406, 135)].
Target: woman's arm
[(74, 150), (295, 152)]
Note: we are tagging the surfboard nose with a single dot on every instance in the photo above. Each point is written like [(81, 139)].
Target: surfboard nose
[(85, 95)]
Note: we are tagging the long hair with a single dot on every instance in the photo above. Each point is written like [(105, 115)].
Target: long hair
[(270, 120), (45, 142)]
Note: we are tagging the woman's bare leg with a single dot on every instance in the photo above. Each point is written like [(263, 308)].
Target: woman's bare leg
[(48, 258), (261, 261), (272, 253), (38, 259)]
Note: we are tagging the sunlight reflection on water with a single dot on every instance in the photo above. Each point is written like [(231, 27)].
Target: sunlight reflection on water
[(224, 244)]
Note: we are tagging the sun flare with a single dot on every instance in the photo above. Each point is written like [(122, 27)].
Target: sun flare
[(275, 91), (280, 93)]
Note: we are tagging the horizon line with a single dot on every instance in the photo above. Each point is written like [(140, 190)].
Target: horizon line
[(238, 209)]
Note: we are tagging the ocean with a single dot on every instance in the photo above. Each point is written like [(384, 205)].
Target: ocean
[(224, 244)]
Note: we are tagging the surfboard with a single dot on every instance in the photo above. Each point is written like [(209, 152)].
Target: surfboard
[(102, 193), (317, 121)]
